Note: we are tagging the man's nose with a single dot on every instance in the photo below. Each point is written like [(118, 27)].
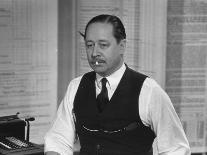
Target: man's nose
[(95, 50)]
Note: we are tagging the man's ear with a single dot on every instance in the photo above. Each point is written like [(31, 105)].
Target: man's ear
[(122, 45)]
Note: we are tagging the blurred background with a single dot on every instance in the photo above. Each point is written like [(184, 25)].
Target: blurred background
[(41, 50)]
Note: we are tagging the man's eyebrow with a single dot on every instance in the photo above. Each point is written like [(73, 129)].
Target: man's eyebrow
[(101, 40)]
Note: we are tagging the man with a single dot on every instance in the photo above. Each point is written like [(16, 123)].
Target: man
[(114, 110)]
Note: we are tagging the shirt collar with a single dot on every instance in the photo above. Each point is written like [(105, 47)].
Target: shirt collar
[(112, 79)]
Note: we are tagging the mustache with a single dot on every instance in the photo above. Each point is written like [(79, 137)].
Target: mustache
[(99, 60)]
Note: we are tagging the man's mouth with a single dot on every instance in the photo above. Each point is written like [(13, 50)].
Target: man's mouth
[(98, 62)]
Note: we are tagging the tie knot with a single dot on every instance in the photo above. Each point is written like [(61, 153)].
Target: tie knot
[(103, 82)]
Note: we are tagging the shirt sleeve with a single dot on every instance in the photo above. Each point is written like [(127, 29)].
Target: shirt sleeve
[(157, 111), (60, 138)]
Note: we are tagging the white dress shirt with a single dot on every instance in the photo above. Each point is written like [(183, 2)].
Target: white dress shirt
[(155, 110)]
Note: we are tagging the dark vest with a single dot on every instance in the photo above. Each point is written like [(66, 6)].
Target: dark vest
[(104, 133)]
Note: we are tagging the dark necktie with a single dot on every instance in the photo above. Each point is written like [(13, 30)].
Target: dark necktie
[(102, 99)]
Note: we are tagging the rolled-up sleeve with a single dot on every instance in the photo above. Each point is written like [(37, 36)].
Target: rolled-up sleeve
[(60, 137)]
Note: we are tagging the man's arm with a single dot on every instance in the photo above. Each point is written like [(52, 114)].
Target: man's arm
[(158, 112), (60, 138), (171, 138)]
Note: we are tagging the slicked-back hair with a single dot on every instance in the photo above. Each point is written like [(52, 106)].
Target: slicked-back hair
[(118, 27)]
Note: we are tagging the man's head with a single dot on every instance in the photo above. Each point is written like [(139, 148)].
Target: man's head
[(118, 27), (105, 44)]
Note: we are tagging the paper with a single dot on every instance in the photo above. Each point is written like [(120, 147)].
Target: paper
[(28, 61), (186, 67)]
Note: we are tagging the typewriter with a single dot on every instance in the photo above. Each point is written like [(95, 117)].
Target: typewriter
[(12, 137)]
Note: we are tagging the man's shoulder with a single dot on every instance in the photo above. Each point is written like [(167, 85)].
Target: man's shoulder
[(77, 79), (89, 74), (136, 74), (151, 84), (149, 81), (133, 71)]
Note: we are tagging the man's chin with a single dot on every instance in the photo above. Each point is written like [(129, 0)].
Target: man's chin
[(100, 70)]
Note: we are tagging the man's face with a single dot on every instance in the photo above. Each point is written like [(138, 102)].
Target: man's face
[(104, 54)]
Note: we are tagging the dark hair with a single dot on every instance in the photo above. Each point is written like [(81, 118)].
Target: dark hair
[(118, 27)]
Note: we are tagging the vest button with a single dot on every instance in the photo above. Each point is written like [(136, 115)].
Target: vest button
[(97, 149), (98, 146)]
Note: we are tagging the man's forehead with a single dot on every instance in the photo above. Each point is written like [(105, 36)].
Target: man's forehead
[(99, 31), (100, 27)]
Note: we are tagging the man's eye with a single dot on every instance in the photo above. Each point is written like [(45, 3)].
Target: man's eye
[(103, 45), (89, 45)]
